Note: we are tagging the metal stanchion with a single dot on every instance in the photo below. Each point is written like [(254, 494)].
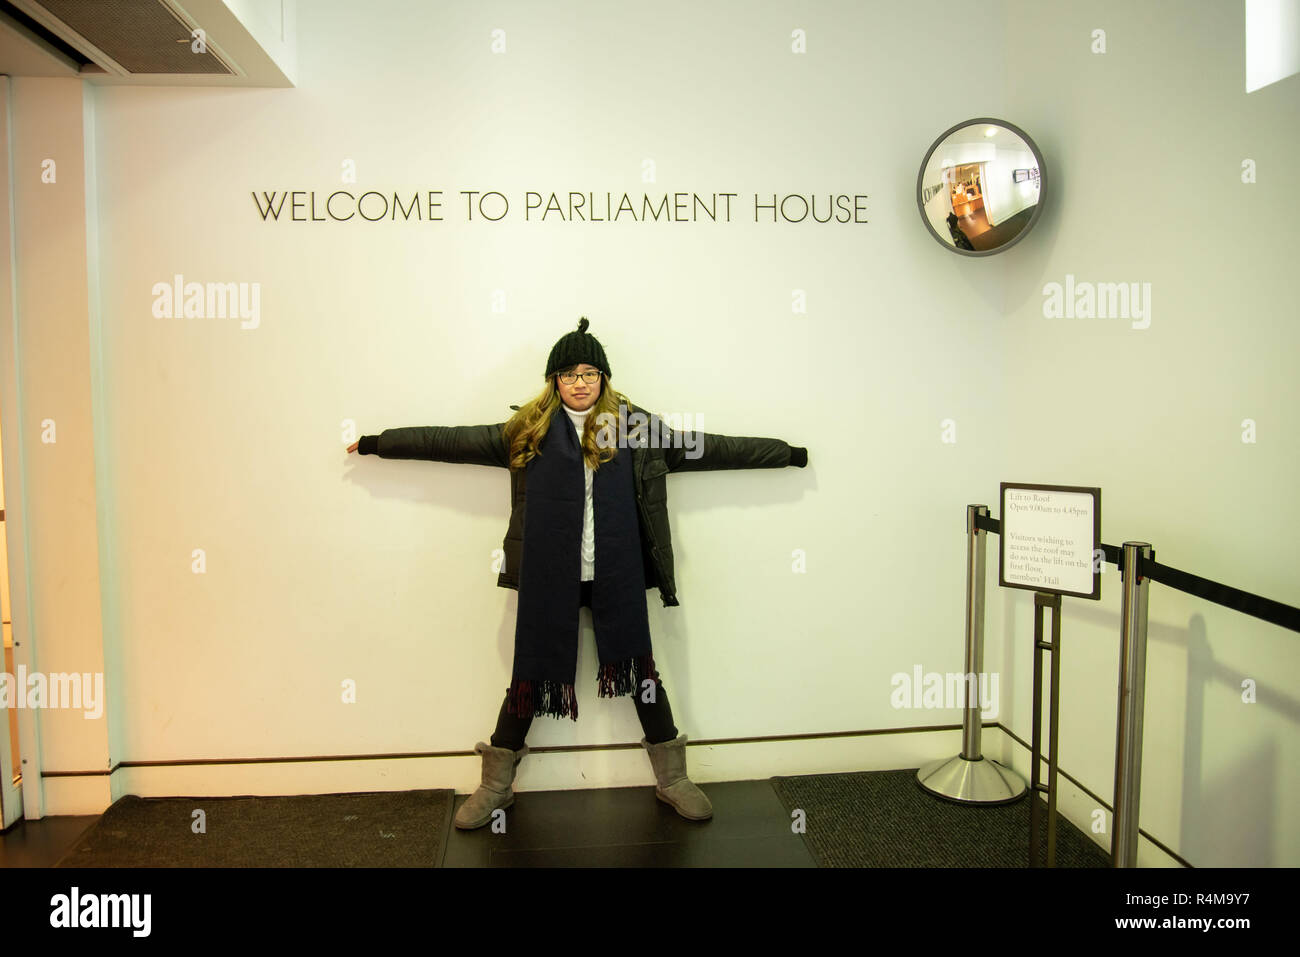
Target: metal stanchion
[(1042, 602), (1132, 690), (969, 778)]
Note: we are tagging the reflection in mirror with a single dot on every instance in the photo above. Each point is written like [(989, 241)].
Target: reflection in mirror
[(981, 186)]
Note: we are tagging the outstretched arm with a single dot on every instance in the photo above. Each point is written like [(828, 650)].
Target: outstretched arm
[(466, 444), (695, 451)]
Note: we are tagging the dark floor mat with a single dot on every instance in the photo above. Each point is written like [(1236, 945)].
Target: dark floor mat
[(886, 819), (371, 829)]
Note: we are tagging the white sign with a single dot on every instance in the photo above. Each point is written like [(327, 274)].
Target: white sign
[(1048, 537)]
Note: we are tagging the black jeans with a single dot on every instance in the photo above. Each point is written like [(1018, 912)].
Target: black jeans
[(656, 718)]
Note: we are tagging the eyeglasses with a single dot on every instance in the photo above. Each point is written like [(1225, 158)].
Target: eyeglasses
[(591, 377)]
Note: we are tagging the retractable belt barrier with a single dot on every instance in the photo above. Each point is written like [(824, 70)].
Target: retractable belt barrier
[(1243, 601), (969, 778)]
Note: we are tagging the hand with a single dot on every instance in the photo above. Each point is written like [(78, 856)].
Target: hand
[(353, 446)]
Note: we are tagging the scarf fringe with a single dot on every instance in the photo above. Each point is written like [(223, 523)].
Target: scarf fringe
[(625, 677), (555, 698)]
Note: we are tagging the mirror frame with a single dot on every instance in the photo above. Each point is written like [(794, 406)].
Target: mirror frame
[(1042, 185)]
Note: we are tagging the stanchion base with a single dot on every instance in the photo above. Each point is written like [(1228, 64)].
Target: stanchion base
[(971, 782)]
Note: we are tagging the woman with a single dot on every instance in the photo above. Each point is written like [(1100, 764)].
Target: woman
[(596, 498), (959, 238)]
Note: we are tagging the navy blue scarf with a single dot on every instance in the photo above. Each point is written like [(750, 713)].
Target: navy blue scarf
[(550, 572)]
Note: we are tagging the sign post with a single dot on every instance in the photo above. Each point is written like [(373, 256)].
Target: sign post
[(1050, 543)]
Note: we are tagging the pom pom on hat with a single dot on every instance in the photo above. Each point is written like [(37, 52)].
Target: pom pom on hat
[(574, 348)]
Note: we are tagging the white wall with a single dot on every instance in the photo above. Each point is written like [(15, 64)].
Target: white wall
[(53, 454), (1154, 416), (323, 568), (1003, 197)]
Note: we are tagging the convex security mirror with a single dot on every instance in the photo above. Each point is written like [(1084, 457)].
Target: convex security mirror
[(980, 187)]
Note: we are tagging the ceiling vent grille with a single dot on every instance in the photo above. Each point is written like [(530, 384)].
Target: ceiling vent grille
[(137, 36)]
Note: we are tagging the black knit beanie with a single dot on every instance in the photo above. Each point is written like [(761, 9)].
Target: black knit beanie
[(574, 348)]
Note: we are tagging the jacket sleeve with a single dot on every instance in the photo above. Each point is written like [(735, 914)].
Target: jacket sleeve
[(464, 444), (702, 451)]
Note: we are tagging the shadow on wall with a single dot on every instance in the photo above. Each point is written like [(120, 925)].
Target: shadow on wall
[(1250, 840)]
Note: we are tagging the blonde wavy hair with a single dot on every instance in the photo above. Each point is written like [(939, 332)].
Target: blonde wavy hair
[(527, 427)]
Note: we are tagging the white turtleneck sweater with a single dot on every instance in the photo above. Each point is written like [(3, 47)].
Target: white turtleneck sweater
[(579, 420)]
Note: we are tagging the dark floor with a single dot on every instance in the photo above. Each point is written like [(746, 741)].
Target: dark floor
[(992, 237), (41, 843), (630, 827), (618, 827)]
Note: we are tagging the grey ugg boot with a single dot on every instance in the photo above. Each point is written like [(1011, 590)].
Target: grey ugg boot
[(668, 758), (499, 766)]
